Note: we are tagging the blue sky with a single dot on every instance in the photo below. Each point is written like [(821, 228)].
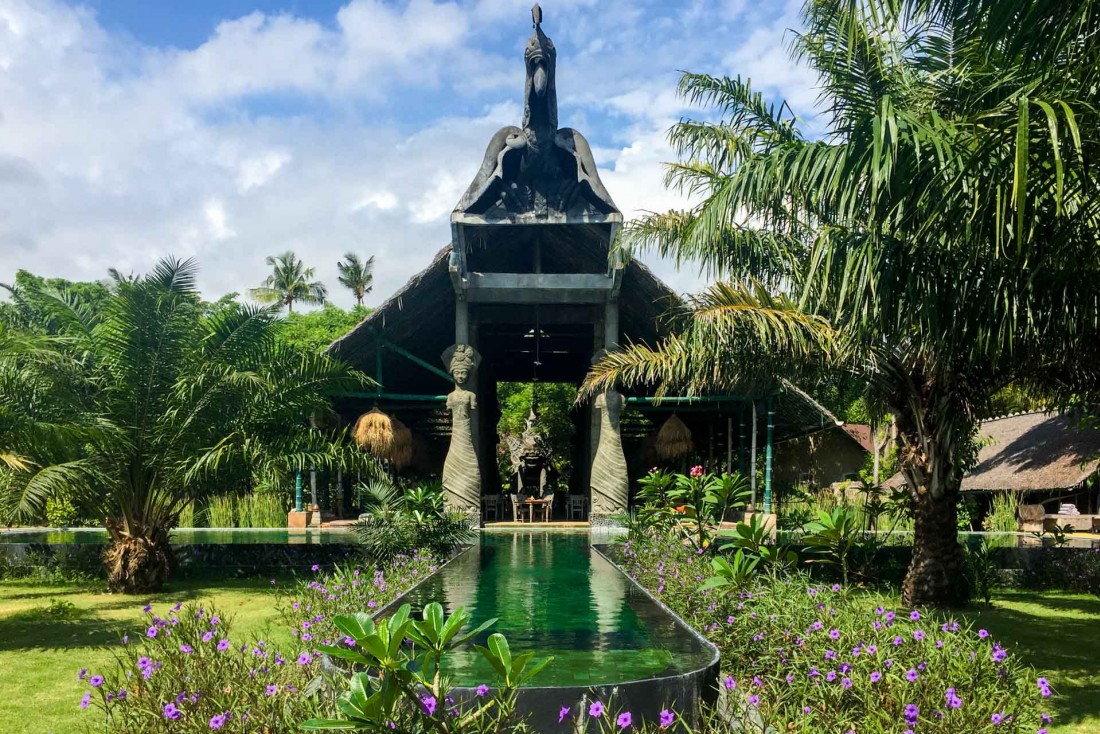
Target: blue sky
[(236, 129)]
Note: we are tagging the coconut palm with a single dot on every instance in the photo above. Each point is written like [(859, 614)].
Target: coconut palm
[(187, 405), (356, 275), (938, 239), (290, 281)]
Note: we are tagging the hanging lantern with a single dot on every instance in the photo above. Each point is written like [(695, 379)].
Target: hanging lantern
[(674, 439), (374, 432)]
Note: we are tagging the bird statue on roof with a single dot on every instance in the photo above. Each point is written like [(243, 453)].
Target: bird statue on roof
[(538, 167)]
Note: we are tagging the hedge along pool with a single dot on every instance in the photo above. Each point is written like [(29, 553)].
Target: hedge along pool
[(554, 594)]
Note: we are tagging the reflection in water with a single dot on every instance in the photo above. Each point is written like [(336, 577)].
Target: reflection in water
[(551, 594)]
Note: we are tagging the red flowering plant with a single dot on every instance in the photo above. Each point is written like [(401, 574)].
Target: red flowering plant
[(695, 503)]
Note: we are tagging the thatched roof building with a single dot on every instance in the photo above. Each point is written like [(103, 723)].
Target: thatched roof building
[(1047, 454)]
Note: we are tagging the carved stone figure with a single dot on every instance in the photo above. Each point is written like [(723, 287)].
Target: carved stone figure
[(531, 459), (461, 475), (610, 482), (537, 167)]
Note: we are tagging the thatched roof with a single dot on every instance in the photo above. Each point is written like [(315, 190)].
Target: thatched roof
[(1031, 452)]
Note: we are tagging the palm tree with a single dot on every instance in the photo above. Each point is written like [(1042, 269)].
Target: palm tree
[(184, 405), (938, 240), (356, 275), (289, 281)]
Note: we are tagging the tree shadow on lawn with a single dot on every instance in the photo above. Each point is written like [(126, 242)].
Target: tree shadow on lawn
[(34, 629), (1065, 648)]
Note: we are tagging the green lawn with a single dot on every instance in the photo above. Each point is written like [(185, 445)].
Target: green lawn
[(42, 649), (1060, 634), (41, 652)]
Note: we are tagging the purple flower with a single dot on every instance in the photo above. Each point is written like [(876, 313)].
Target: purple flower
[(426, 702), (983, 634), (834, 634), (912, 675), (667, 717), (876, 677), (95, 681), (729, 683), (315, 568), (218, 721), (305, 659), (171, 712), (85, 701), (898, 640), (223, 645), (914, 615), (836, 587), (186, 649), (147, 608), (82, 674), (595, 710), (624, 720), (911, 713), (754, 700), (482, 690), (563, 714), (151, 632), (847, 682), (918, 635), (271, 690), (997, 718)]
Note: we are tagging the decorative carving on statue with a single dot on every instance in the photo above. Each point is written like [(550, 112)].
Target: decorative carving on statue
[(461, 475), (537, 168), (531, 458), (610, 482)]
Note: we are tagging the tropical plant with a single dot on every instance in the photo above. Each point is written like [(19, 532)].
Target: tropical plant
[(980, 570), (395, 524), (757, 539), (180, 406), (402, 688), (732, 572), (356, 275), (1003, 513), (705, 499), (832, 538), (936, 239), (290, 281)]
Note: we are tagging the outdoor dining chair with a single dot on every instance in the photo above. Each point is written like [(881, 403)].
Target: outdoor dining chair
[(491, 507), (578, 506)]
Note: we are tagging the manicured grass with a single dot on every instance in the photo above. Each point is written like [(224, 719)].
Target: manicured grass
[(42, 647), (1060, 635)]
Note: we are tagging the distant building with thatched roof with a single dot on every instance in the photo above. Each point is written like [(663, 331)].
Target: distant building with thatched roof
[(1049, 457)]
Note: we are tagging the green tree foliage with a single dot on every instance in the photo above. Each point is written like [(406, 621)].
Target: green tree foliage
[(156, 406), (290, 281), (938, 240), (357, 275), (315, 330), (23, 313)]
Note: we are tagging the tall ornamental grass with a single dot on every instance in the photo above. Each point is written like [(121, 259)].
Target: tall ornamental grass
[(261, 510), (1002, 517), (220, 512), (804, 657)]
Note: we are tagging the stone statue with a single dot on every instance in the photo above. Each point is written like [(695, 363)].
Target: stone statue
[(610, 482), (538, 167), (461, 476), (532, 459)]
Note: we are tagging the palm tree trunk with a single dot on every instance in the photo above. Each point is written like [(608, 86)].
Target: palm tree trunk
[(137, 562), (937, 572)]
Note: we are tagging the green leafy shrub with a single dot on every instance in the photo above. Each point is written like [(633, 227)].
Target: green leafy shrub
[(62, 513), (832, 538), (802, 657), (395, 524), (1002, 517)]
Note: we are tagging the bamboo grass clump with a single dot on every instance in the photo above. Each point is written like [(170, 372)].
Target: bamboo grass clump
[(674, 439)]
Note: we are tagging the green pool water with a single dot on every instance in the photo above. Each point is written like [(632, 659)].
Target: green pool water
[(554, 595)]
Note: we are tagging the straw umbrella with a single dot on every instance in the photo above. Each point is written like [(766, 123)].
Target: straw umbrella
[(674, 439), (384, 436)]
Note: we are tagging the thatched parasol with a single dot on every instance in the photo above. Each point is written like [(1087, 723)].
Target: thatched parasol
[(674, 439), (402, 449), (385, 437)]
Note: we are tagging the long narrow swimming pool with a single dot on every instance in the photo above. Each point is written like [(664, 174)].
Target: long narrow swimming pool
[(553, 594)]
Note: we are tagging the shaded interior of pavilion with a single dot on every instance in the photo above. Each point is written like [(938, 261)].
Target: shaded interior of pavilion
[(400, 344)]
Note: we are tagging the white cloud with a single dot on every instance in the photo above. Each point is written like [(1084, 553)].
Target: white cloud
[(114, 153)]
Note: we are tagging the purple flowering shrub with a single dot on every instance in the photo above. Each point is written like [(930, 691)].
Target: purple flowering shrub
[(188, 672), (805, 657), (311, 605)]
